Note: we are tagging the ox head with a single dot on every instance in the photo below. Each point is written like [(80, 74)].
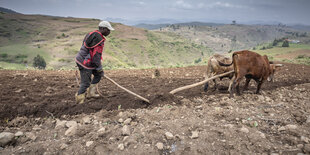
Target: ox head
[(273, 68)]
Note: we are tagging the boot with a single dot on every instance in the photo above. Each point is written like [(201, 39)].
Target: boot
[(80, 98), (91, 91)]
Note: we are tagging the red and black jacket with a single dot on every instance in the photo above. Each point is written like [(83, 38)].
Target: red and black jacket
[(90, 54)]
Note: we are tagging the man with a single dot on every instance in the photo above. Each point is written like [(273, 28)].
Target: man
[(88, 61)]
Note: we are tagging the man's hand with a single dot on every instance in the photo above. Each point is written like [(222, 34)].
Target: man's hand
[(101, 73)]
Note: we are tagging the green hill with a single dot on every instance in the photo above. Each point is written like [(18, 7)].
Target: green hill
[(223, 38), (295, 53), (58, 39)]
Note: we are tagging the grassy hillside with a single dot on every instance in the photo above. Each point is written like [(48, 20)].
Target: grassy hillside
[(295, 53), (58, 39), (223, 38)]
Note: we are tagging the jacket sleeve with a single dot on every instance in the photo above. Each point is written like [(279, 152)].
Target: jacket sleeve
[(97, 57)]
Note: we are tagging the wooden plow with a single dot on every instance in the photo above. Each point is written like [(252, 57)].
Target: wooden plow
[(130, 92), (198, 83)]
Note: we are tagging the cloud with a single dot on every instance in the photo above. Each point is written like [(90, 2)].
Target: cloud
[(183, 5), (222, 5), (137, 3)]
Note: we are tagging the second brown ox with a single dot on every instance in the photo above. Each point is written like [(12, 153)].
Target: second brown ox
[(251, 66)]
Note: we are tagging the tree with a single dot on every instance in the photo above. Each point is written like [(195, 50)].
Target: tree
[(275, 42), (285, 43), (39, 62)]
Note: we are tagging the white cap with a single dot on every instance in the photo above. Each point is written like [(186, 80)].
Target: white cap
[(106, 24)]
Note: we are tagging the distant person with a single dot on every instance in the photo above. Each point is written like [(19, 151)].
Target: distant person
[(88, 61)]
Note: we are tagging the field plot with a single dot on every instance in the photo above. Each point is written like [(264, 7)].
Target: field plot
[(41, 105)]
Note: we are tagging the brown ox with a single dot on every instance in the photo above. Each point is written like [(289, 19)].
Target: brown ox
[(214, 68), (251, 66)]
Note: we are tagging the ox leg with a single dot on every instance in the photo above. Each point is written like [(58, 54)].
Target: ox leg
[(259, 85), (232, 89), (205, 89), (246, 86), (215, 85), (230, 84), (237, 85), (238, 89)]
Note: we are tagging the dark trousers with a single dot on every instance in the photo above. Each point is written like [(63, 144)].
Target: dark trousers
[(86, 78)]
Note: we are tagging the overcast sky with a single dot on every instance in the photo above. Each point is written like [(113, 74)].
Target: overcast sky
[(285, 11)]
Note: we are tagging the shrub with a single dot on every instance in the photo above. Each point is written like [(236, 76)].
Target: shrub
[(4, 55), (197, 60), (275, 42), (39, 62), (285, 43)]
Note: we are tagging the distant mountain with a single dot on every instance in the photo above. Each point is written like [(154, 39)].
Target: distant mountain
[(133, 22), (301, 27), (5, 10), (158, 26), (151, 26)]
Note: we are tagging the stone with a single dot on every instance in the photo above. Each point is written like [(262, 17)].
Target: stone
[(308, 119), (36, 128), (228, 125), (307, 148), (18, 91), (169, 135), (304, 139), (120, 114), (19, 133), (199, 107), (31, 136), (86, 120), (282, 128), (262, 135), (125, 130), (101, 130), (268, 99), (160, 146), (125, 138), (127, 121), (89, 143), (291, 127), (120, 120), (245, 130), (300, 146), (260, 97), (71, 124), (63, 146), (71, 131), (121, 147), (194, 135), (6, 138), (60, 124)]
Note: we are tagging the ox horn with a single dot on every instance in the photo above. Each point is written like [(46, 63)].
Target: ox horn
[(278, 65)]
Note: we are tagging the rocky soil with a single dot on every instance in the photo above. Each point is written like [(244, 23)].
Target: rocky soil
[(39, 116)]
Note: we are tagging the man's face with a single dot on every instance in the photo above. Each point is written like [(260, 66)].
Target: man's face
[(105, 31)]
